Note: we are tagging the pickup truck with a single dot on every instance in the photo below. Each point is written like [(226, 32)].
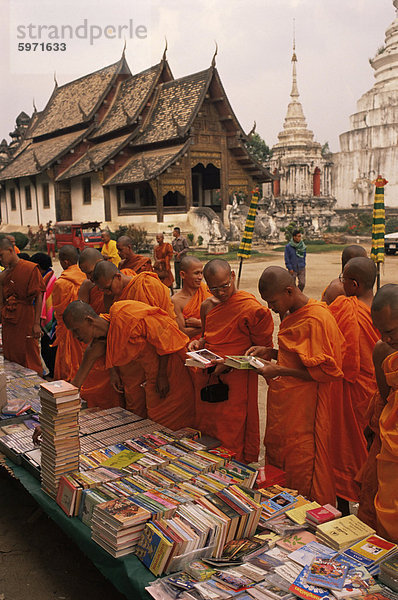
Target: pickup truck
[(391, 243), (79, 235)]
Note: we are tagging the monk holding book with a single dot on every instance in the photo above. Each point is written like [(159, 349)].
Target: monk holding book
[(233, 321), (188, 300), (134, 332), (385, 319), (21, 302), (352, 394), (299, 404), (66, 288)]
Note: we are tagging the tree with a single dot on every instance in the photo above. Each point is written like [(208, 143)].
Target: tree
[(258, 148)]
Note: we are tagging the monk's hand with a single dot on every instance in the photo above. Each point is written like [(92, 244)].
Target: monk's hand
[(162, 385), (196, 345), (36, 331), (262, 352), (36, 435), (221, 367), (269, 370), (116, 382), (192, 322)]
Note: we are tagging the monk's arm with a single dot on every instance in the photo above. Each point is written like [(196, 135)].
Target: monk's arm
[(189, 330), (162, 381), (36, 330), (380, 352), (84, 291), (93, 351), (263, 352), (271, 370)]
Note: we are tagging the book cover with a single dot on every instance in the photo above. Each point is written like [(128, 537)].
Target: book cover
[(306, 591), (298, 514), (359, 582), (66, 496), (320, 515), (327, 573), (306, 554), (204, 356), (371, 550), (296, 540), (243, 362), (59, 388), (124, 512)]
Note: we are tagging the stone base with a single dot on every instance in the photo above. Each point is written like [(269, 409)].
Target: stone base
[(217, 248)]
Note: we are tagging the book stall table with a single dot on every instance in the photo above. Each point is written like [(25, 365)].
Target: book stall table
[(127, 574)]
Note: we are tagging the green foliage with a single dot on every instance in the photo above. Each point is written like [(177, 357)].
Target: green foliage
[(258, 148), (190, 237), (392, 225), (289, 230), (21, 239), (137, 234), (200, 240), (325, 151), (359, 223)]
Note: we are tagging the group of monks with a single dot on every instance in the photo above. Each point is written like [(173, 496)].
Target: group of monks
[(332, 403)]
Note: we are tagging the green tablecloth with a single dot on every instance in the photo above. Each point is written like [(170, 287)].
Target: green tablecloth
[(127, 574)]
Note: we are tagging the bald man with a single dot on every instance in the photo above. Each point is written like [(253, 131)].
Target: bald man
[(97, 389), (135, 332), (351, 395), (233, 321), (109, 249), (130, 260), (335, 287), (145, 287), (188, 300), (66, 288), (299, 403), (22, 289), (163, 254), (385, 319)]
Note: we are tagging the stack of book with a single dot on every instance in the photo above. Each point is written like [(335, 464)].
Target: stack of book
[(60, 405), (317, 516), (117, 525), (389, 572), (370, 552), (342, 533)]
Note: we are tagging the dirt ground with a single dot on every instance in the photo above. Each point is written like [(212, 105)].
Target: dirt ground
[(37, 561)]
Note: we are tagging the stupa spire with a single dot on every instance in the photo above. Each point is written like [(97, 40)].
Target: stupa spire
[(294, 93)]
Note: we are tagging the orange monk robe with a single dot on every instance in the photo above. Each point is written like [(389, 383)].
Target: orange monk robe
[(20, 287), (386, 501), (163, 255), (231, 328), (297, 437), (141, 333), (192, 307), (70, 350), (137, 263), (351, 395), (367, 477), (145, 287), (97, 389)]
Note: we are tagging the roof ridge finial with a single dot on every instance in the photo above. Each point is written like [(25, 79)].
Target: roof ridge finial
[(165, 49), (124, 48), (55, 79), (34, 106), (213, 60)]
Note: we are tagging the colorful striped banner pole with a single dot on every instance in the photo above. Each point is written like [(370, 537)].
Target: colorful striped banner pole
[(378, 225), (245, 248)]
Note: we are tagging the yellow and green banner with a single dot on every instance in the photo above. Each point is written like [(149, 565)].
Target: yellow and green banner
[(245, 247), (379, 221)]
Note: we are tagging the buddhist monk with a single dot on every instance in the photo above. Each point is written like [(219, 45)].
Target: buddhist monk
[(109, 249), (136, 332), (163, 253), (12, 240), (22, 297), (309, 358), (130, 260), (351, 395), (233, 321), (188, 300), (66, 288), (97, 389), (335, 287), (385, 319)]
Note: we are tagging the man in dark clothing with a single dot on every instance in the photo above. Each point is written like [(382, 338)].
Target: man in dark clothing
[(295, 258), (180, 249)]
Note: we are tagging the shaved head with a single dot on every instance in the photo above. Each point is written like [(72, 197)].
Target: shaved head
[(125, 240), (104, 270), (387, 295), (77, 311), (217, 266), (363, 270), (69, 253), (189, 261), (275, 279), (5, 244), (90, 256), (352, 251)]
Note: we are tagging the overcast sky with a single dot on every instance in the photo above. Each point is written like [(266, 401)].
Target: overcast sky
[(334, 40)]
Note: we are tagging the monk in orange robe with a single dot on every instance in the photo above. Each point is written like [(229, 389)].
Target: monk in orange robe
[(188, 300), (351, 395), (233, 321), (163, 253), (135, 332), (97, 389), (335, 287), (385, 319), (22, 295), (66, 288), (299, 404), (130, 260)]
